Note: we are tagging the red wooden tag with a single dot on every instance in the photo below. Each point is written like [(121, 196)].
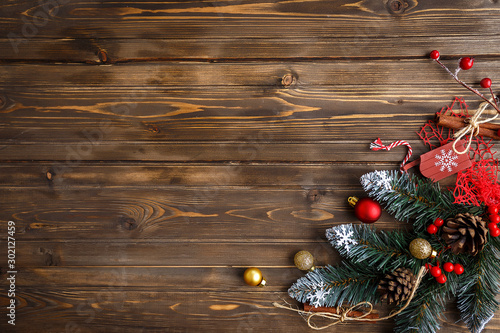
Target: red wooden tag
[(442, 162)]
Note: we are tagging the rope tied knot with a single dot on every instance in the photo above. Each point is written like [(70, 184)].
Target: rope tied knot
[(343, 315), (472, 128), (472, 125)]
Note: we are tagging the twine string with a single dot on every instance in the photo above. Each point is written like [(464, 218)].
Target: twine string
[(342, 314), (472, 128)]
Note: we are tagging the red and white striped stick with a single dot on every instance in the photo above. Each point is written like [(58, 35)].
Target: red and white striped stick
[(378, 145)]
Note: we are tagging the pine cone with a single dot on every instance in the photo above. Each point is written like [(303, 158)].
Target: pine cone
[(465, 233), (396, 287)]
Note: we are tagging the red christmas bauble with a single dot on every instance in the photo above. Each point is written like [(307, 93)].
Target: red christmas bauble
[(367, 210)]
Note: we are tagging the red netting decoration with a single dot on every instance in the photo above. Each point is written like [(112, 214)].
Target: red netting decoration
[(478, 184)]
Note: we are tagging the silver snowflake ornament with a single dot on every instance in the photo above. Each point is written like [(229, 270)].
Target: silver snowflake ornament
[(342, 237), (318, 297)]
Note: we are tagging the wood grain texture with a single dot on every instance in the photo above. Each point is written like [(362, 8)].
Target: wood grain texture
[(78, 49), (384, 74), (88, 175), (113, 309), (150, 151), (177, 215), (235, 19)]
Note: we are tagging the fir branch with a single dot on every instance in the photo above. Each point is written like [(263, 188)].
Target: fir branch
[(425, 310), (331, 286), (408, 197), (478, 288), (384, 251)]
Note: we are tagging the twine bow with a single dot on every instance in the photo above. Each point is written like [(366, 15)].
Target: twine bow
[(342, 314), (472, 128)]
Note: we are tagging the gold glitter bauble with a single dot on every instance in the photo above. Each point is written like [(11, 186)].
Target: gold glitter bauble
[(304, 260), (253, 277), (420, 248)]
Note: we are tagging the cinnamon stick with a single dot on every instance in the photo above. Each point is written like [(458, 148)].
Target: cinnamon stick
[(487, 129), (310, 308)]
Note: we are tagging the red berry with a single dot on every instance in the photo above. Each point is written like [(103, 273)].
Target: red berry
[(459, 269), (495, 232), (466, 63), (434, 54), (493, 210), (485, 83), (436, 271), (495, 218), (432, 229), (428, 266), (441, 279), (439, 222), (448, 267), (492, 226)]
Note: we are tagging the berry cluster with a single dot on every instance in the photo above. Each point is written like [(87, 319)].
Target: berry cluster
[(494, 220), (433, 228), (447, 267)]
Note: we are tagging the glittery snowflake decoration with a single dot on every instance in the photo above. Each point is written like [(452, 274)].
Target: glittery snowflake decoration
[(342, 237), (378, 179), (317, 298), (446, 160)]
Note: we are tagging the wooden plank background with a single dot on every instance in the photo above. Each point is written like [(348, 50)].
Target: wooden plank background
[(152, 150)]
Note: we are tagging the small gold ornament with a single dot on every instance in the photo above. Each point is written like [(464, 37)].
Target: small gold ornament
[(304, 261), (253, 277), (421, 249)]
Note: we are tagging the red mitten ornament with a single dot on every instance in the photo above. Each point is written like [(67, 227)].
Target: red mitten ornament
[(442, 162)]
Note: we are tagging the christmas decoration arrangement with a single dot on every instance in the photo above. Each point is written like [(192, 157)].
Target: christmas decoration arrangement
[(451, 250)]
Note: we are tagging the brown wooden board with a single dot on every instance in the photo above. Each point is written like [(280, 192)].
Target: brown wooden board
[(259, 149), (112, 307), (74, 174), (213, 49), (378, 75), (151, 151), (92, 20), (181, 214)]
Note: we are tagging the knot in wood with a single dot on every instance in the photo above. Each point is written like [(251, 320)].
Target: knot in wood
[(313, 196), (103, 56), (287, 80), (50, 175), (128, 223), (396, 6), (153, 128)]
